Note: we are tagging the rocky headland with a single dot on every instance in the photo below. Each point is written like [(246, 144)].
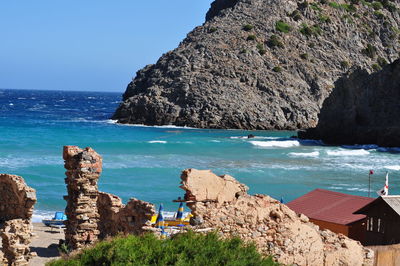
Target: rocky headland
[(362, 109), (262, 64)]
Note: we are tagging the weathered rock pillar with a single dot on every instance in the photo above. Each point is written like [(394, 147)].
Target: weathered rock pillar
[(16, 209), (83, 170)]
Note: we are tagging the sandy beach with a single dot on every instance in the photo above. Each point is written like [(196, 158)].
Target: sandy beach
[(44, 243)]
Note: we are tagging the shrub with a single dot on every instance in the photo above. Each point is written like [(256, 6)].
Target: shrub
[(382, 61), (315, 7), (277, 69), (248, 27), (304, 56), (243, 51), (296, 15), (349, 8), (274, 42), (377, 5), (282, 26), (251, 37), (376, 67), (212, 29), (183, 249), (310, 30), (344, 64), (261, 48), (324, 18), (334, 5), (369, 51), (379, 15)]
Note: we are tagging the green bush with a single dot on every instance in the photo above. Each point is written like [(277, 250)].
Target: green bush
[(310, 30), (261, 49), (296, 15), (376, 67), (183, 249), (277, 69), (251, 37), (274, 42), (377, 5), (315, 6), (282, 26), (304, 56), (335, 5), (379, 14), (344, 64), (369, 51), (324, 18), (248, 27), (382, 61), (212, 29)]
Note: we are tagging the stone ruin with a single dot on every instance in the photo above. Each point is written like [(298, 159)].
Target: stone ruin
[(217, 202), (16, 209), (92, 214), (222, 203)]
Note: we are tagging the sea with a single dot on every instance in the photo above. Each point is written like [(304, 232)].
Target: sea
[(145, 162)]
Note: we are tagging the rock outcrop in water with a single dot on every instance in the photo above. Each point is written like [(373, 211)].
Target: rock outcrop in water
[(221, 202), (261, 64), (362, 109), (16, 209)]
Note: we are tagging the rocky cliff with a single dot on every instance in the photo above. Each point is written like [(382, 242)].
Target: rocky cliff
[(362, 109), (262, 64)]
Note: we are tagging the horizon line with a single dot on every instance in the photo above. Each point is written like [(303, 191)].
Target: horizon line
[(63, 90)]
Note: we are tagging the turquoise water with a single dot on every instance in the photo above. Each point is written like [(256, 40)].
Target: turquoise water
[(146, 162)]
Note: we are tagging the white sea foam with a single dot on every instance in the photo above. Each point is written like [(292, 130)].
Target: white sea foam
[(281, 144), (38, 215), (214, 140), (347, 152), (157, 141), (141, 125), (393, 167), (10, 104), (256, 137), (304, 154)]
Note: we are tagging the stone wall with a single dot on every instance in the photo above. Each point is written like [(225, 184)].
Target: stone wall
[(117, 218), (16, 209), (92, 214), (221, 202), (83, 170)]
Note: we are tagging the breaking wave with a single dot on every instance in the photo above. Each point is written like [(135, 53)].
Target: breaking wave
[(281, 144), (347, 153), (304, 154)]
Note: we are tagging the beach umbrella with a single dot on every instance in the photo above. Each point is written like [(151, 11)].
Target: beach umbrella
[(160, 218), (179, 214)]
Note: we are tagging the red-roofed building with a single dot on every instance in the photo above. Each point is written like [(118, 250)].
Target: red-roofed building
[(334, 211)]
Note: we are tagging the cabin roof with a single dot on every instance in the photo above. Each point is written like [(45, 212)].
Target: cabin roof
[(392, 200), (330, 206)]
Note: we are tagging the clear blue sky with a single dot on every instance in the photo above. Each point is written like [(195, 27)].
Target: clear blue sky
[(94, 45)]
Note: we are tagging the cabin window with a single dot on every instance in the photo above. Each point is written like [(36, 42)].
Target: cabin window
[(381, 228), (370, 224)]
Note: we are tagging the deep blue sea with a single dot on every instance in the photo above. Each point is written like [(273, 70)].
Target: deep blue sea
[(146, 162)]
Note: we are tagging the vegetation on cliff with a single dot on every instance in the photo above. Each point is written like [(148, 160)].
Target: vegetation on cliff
[(182, 249), (262, 64)]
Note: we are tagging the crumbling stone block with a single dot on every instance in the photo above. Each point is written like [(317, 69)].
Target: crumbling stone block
[(83, 170), (222, 203), (16, 209), (94, 215)]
